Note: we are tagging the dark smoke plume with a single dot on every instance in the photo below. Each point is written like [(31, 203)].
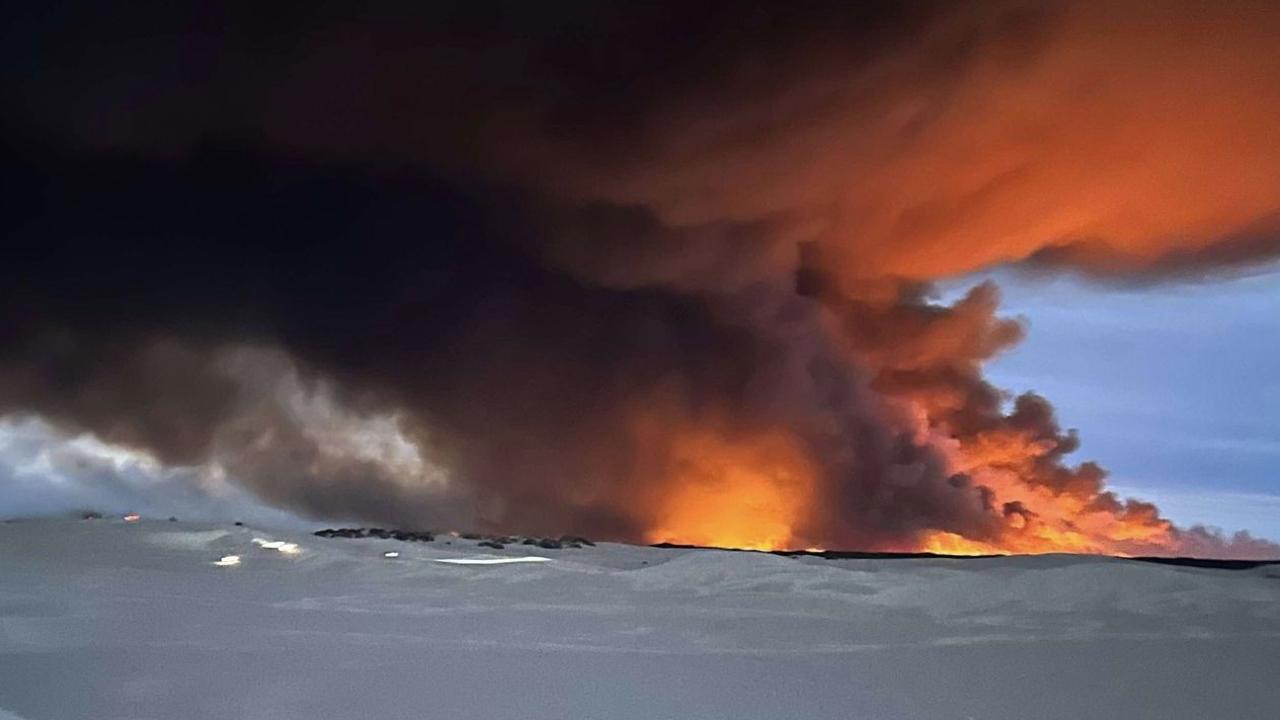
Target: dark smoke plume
[(634, 272)]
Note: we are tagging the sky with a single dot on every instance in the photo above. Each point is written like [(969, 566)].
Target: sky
[(654, 272)]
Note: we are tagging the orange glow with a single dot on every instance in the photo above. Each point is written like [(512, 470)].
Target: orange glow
[(1123, 137), (738, 494), (1067, 519), (945, 543)]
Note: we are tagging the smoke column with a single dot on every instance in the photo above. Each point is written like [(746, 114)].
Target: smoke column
[(648, 273)]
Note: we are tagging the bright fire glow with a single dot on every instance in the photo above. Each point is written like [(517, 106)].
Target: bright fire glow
[(945, 543), (744, 494)]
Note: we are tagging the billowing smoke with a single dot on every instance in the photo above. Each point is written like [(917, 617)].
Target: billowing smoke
[(647, 273)]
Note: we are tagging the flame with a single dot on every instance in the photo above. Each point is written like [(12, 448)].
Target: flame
[(947, 543), (749, 493)]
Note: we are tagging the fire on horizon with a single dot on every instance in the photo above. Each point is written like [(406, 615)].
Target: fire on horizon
[(652, 273)]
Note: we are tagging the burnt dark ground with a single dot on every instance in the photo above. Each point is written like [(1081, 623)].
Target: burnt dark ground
[(1206, 563)]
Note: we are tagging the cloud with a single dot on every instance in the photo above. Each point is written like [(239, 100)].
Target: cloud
[(46, 472)]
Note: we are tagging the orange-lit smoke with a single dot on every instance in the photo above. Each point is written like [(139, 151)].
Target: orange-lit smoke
[(732, 216), (1117, 139), (985, 473)]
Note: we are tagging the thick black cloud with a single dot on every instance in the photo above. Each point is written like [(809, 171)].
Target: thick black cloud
[(181, 180), (409, 292), (413, 82), (441, 212)]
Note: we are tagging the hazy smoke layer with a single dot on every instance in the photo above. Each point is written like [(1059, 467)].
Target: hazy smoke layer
[(647, 273)]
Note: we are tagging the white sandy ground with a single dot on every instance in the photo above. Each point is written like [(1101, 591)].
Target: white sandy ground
[(104, 620)]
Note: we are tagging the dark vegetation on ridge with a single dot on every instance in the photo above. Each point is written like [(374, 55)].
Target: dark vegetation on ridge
[(1206, 563), (491, 541)]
